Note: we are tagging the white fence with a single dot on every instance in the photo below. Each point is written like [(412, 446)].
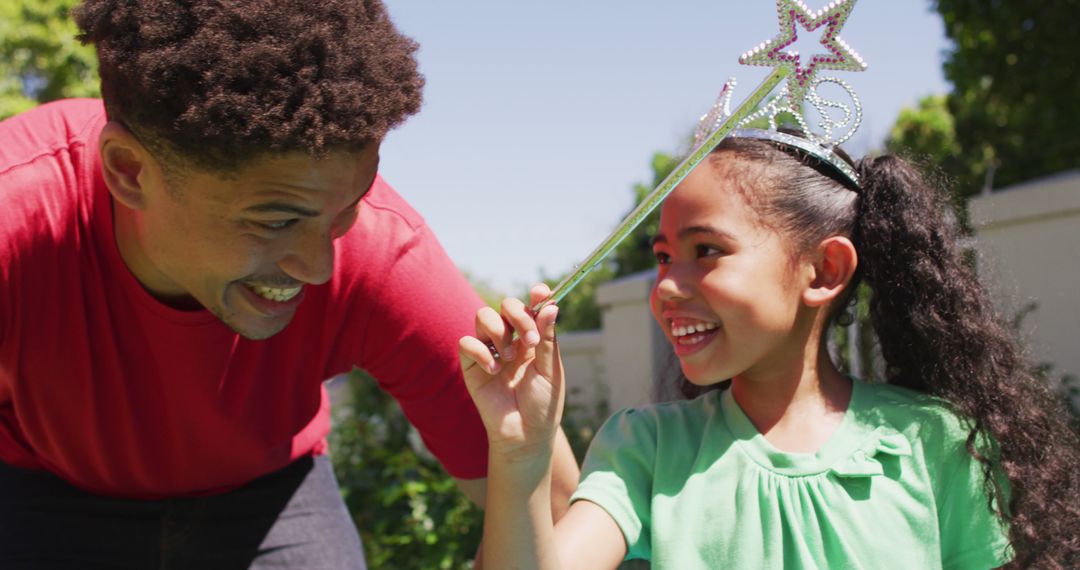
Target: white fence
[(1028, 239), (627, 359)]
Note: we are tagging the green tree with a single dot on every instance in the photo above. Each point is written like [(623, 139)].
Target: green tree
[(1014, 79), (407, 508), (635, 254), (40, 59), (928, 130)]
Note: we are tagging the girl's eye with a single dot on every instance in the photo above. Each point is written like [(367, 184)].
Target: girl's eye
[(703, 250), (662, 258), (277, 224)]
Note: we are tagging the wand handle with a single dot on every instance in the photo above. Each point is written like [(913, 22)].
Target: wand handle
[(656, 197)]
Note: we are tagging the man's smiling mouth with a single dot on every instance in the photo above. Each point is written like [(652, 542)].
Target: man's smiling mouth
[(276, 294)]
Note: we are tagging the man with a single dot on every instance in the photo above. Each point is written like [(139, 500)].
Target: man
[(182, 267)]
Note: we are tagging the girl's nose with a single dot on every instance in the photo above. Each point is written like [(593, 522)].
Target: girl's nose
[(674, 284)]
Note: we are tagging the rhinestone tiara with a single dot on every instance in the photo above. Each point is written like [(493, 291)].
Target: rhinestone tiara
[(838, 120)]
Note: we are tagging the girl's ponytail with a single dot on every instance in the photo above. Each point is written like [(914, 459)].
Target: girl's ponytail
[(939, 334), (927, 306)]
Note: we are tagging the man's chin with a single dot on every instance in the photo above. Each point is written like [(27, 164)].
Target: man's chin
[(255, 328), (259, 332)]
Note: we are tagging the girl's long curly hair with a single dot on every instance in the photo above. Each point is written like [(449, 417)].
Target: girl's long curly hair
[(937, 329), (219, 82)]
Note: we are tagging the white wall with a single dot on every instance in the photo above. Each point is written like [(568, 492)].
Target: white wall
[(1028, 239), (583, 361), (624, 360)]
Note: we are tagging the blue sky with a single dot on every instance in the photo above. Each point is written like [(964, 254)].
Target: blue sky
[(540, 116)]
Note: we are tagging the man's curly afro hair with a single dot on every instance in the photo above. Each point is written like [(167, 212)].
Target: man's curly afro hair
[(218, 82)]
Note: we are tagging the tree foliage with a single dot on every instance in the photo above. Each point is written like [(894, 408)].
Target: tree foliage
[(1013, 71), (408, 510), (928, 130), (40, 59), (1014, 79)]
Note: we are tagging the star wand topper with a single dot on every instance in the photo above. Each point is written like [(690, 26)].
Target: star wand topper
[(801, 82)]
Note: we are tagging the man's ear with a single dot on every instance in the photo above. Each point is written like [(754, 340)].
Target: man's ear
[(834, 263), (125, 163)]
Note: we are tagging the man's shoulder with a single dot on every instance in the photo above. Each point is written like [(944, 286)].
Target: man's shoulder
[(69, 124), (385, 204), (48, 175), (386, 225)]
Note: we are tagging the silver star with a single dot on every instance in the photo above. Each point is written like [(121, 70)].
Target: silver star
[(773, 54)]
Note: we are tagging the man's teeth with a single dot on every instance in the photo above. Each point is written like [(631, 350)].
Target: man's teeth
[(691, 329), (275, 294)]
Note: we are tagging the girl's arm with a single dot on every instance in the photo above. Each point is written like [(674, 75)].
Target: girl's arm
[(520, 398)]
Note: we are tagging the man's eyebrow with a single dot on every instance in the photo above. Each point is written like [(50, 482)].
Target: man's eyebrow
[(282, 207)]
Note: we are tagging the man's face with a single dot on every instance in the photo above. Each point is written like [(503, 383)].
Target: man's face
[(243, 245)]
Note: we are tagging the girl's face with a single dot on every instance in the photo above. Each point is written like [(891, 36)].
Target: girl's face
[(727, 293)]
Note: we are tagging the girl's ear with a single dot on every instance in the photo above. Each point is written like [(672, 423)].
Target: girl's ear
[(834, 263), (124, 164)]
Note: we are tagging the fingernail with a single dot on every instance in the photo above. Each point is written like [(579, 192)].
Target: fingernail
[(508, 353), (532, 338), (493, 368)]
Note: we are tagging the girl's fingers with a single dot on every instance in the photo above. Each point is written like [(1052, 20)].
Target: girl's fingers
[(517, 315), (492, 329), (548, 362), (496, 330), (538, 293), (476, 360)]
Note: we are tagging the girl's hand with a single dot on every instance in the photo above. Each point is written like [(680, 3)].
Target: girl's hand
[(520, 393)]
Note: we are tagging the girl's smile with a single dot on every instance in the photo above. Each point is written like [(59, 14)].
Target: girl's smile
[(691, 335), (727, 293)]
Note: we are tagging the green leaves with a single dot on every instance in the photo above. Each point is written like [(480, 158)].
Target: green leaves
[(40, 59), (409, 512), (1013, 101)]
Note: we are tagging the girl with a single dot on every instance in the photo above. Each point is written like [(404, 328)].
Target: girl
[(959, 459)]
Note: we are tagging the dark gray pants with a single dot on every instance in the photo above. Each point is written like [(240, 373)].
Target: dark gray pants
[(293, 518)]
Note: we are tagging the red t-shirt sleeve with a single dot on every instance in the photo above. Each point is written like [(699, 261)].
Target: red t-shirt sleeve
[(418, 306)]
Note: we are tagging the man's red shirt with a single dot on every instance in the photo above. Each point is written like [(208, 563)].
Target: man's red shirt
[(124, 396)]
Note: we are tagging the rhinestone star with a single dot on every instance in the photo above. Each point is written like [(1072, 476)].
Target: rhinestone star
[(773, 54)]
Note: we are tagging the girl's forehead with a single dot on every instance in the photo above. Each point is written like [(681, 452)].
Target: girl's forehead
[(714, 195), (711, 190)]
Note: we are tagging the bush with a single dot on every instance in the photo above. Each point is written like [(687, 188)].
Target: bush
[(406, 507)]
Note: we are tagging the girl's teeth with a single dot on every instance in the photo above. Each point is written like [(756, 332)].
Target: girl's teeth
[(679, 331), (276, 294)]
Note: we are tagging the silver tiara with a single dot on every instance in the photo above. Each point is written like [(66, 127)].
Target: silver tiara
[(837, 120), (721, 122)]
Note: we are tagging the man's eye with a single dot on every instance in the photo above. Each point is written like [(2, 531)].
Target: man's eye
[(277, 224)]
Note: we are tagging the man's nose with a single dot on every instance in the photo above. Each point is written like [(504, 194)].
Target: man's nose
[(311, 258)]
